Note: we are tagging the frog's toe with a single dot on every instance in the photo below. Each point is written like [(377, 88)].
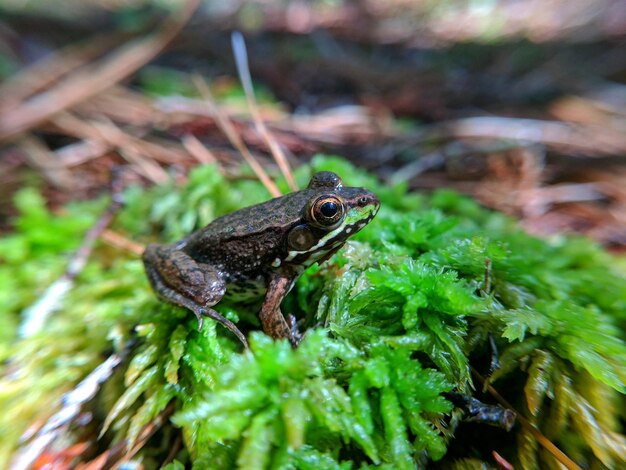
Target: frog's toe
[(199, 317), (209, 312), (296, 337)]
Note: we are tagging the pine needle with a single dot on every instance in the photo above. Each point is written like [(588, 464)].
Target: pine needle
[(235, 139), (241, 59)]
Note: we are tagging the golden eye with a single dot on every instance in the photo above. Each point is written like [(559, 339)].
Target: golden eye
[(327, 210)]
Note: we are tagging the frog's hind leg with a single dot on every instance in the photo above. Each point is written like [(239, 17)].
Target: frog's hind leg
[(178, 279)]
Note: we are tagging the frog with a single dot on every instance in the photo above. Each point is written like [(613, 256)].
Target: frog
[(258, 252)]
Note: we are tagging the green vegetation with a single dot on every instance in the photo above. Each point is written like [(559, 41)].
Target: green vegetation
[(402, 310)]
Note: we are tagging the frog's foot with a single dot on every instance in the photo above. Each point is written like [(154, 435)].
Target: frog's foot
[(209, 312), (178, 279), (296, 337), (201, 312)]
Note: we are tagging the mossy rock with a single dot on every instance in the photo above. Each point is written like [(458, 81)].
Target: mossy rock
[(397, 319)]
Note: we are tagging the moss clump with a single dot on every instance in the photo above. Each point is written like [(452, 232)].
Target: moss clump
[(402, 317)]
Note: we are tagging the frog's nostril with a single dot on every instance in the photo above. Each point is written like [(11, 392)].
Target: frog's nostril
[(363, 201)]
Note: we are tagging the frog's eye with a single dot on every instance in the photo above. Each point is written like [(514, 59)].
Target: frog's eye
[(327, 211)]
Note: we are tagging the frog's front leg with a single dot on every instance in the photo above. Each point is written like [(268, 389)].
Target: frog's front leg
[(179, 279), (272, 319)]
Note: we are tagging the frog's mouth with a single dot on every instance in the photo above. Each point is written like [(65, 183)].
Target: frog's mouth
[(355, 220)]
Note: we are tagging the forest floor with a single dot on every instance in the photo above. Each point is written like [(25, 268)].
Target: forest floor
[(525, 115)]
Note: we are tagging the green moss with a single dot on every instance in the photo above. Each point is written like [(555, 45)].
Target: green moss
[(402, 317)]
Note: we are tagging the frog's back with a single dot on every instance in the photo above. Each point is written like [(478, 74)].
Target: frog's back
[(277, 213), (245, 244)]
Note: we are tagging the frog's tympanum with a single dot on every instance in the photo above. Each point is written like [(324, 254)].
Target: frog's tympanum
[(260, 250)]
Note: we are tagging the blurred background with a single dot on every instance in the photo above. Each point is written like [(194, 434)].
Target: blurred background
[(519, 103)]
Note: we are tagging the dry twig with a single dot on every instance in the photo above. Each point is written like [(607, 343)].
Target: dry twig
[(121, 242), (557, 453), (197, 150)]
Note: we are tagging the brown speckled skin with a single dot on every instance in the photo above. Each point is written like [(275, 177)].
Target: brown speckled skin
[(237, 254)]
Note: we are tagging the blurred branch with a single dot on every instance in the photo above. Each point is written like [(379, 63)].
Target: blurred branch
[(93, 79), (42, 73), (133, 149), (40, 157), (59, 422), (592, 140), (35, 316)]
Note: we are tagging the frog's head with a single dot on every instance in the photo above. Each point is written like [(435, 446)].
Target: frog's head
[(332, 214)]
